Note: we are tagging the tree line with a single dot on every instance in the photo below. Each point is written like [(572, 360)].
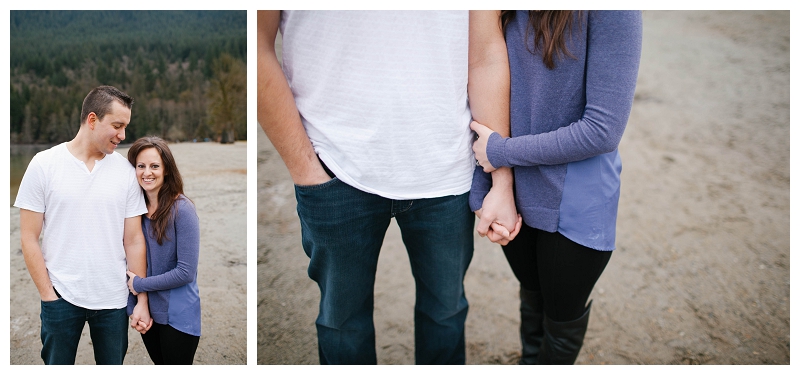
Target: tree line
[(185, 70)]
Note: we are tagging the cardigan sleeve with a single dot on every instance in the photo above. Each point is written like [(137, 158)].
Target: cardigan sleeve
[(614, 43), (481, 183), (187, 244)]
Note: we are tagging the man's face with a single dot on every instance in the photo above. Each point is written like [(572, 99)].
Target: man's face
[(110, 131)]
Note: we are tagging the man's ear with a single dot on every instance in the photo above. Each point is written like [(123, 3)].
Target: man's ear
[(91, 119)]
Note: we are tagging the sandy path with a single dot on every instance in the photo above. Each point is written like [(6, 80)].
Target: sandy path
[(701, 274), (214, 178)]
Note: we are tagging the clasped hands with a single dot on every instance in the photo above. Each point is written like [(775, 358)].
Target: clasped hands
[(140, 318), (498, 217)]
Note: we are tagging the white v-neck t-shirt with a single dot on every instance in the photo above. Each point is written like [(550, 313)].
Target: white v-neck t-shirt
[(84, 221), (383, 97)]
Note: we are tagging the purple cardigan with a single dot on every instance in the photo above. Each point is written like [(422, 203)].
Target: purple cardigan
[(171, 280), (566, 125)]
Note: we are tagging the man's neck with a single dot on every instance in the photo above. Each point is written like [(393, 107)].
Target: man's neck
[(83, 150)]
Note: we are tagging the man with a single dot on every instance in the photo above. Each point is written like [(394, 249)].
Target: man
[(370, 116), (85, 201)]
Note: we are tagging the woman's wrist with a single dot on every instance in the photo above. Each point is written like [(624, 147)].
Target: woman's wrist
[(136, 281), (495, 150)]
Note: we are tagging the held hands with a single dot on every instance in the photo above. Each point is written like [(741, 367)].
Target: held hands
[(140, 319), (499, 220), (479, 146), (498, 233)]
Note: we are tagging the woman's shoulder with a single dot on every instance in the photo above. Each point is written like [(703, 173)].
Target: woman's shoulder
[(615, 27), (185, 214), (184, 204), (615, 16)]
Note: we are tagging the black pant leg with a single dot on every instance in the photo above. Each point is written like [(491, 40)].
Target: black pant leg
[(568, 272), (178, 348), (152, 342)]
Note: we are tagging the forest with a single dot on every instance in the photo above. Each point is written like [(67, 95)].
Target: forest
[(186, 71)]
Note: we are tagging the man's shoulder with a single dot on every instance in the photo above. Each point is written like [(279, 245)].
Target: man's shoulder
[(52, 152), (119, 160), (50, 155)]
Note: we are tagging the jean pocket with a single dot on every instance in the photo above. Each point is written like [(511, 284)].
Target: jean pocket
[(59, 299), (323, 185)]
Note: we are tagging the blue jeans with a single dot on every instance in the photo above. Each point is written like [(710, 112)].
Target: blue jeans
[(62, 323), (343, 230)]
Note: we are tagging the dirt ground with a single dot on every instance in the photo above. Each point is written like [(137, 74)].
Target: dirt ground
[(214, 177), (701, 270)]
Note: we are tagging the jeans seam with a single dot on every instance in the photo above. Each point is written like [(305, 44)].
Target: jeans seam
[(395, 213)]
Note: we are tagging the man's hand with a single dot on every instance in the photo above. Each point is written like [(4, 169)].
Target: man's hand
[(314, 175), (479, 146), (496, 231), (48, 297), (30, 224), (498, 216), (140, 319), (131, 275)]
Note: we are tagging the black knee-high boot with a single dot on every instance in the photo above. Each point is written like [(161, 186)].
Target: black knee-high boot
[(563, 340), (531, 331)]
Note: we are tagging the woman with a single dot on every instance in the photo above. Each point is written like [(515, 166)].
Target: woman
[(172, 233), (573, 75)]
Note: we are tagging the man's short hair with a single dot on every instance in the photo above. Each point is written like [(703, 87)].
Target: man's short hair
[(99, 101)]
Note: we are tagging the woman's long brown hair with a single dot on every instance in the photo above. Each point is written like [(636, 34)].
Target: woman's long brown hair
[(549, 28), (170, 189)]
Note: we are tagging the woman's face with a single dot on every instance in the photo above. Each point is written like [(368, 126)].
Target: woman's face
[(149, 170)]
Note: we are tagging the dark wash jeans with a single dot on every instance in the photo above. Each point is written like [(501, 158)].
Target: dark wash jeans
[(343, 230), (62, 323)]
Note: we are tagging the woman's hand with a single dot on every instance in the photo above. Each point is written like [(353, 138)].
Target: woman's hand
[(131, 275), (498, 218), (499, 234), (497, 238), (140, 319), (479, 146)]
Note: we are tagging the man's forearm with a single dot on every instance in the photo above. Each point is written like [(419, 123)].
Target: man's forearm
[(277, 111), (136, 257), (489, 78), (489, 81), (30, 229), (35, 262)]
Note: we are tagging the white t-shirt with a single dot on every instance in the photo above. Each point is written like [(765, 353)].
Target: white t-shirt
[(84, 217), (383, 97)]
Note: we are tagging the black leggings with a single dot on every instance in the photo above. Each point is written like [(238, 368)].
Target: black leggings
[(564, 271), (168, 346)]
